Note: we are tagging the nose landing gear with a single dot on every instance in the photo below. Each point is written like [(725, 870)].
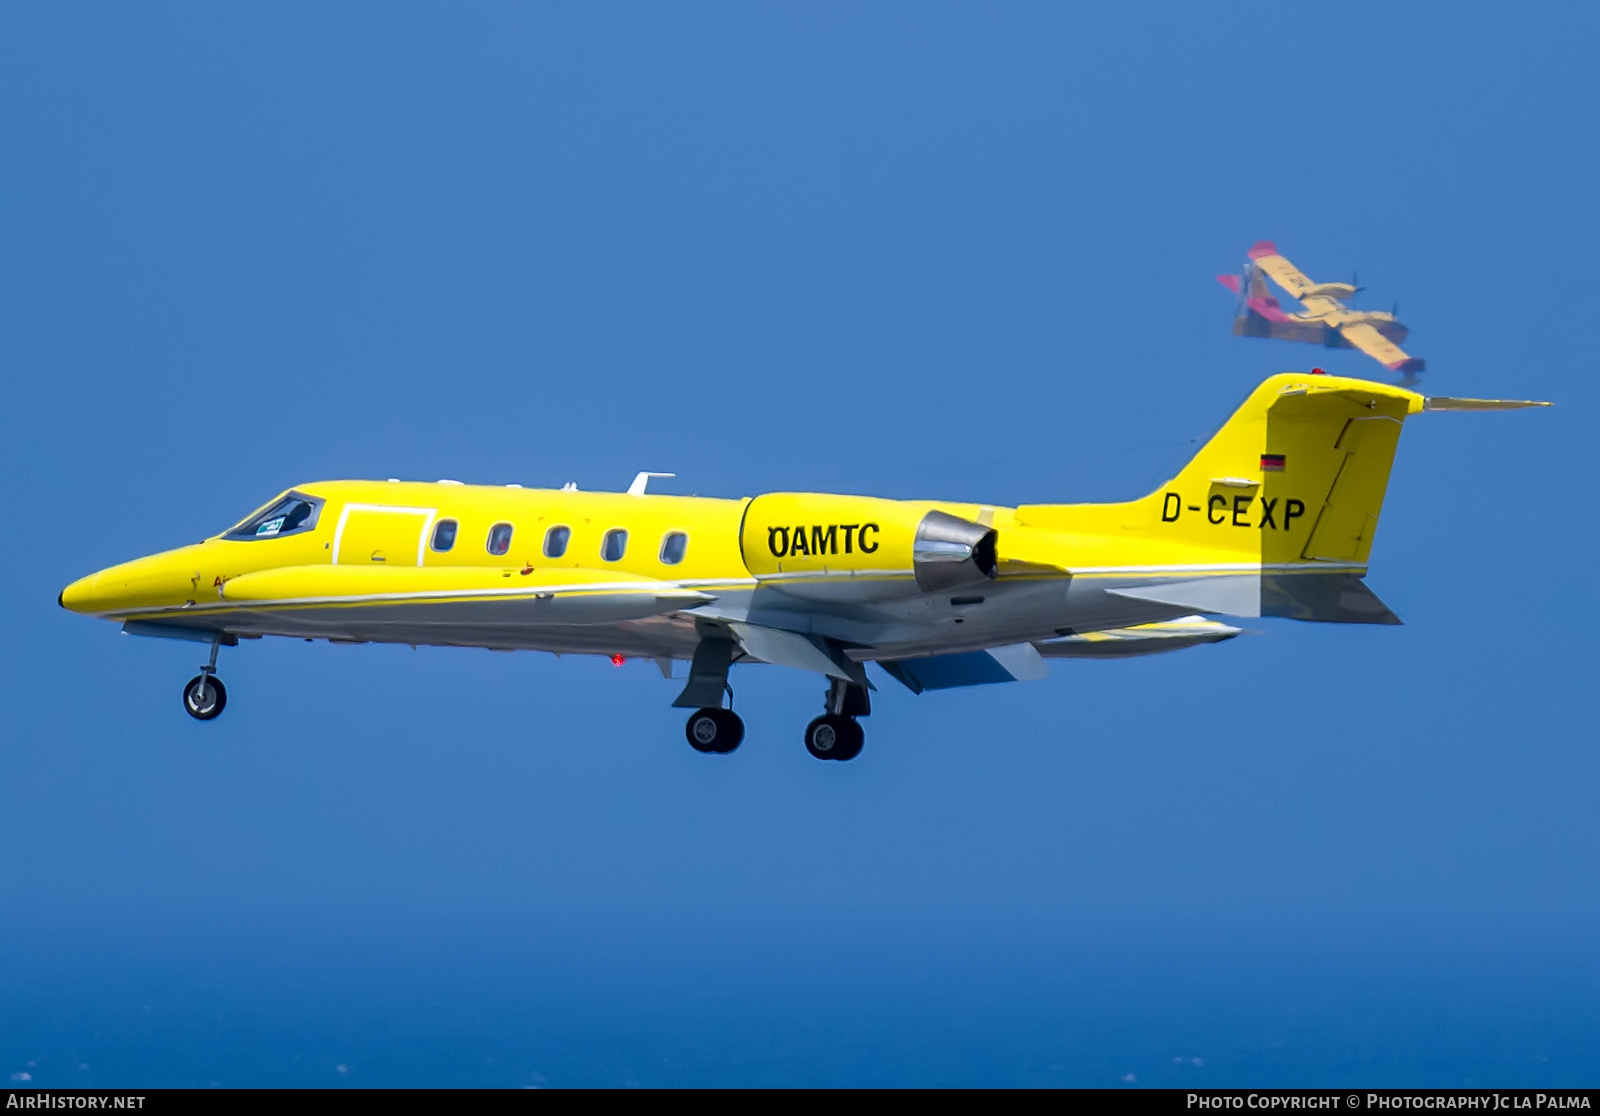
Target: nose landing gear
[(205, 696)]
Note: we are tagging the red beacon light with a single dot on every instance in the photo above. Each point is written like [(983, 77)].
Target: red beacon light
[(1318, 372), (618, 660)]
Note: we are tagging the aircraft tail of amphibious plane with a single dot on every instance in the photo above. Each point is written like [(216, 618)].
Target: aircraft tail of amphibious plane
[(1274, 516)]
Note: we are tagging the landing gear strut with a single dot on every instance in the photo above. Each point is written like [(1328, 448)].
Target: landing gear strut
[(837, 735), (711, 728), (205, 697)]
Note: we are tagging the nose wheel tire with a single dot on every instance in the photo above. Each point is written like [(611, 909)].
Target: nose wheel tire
[(204, 697), (835, 737), (714, 731)]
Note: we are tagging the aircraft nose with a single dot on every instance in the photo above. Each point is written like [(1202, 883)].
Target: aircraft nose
[(80, 595), (158, 581)]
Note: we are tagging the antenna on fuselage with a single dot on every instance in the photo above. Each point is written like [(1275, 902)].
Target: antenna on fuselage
[(637, 487)]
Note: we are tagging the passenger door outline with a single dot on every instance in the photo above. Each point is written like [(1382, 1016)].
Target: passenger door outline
[(428, 515)]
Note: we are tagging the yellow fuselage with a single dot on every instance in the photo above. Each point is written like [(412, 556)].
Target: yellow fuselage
[(1290, 487)]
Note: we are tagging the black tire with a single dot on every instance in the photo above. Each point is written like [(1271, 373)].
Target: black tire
[(832, 737), (855, 736), (714, 731), (209, 706)]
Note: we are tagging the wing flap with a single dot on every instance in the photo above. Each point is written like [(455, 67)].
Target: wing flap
[(1018, 662)]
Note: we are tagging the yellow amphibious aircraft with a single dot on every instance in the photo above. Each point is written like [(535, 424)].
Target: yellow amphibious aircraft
[(1273, 517), (1326, 320)]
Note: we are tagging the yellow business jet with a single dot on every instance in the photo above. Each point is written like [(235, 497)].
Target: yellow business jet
[(1273, 517)]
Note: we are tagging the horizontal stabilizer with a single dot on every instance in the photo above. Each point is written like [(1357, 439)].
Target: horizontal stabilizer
[(1446, 403), (1233, 594), (1332, 598), (1230, 281), (1018, 662), (1329, 598)]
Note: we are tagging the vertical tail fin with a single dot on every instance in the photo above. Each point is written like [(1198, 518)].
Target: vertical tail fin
[(1292, 485), (1297, 474)]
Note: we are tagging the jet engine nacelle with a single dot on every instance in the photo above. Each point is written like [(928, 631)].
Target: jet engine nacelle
[(1328, 290), (949, 552), (800, 538)]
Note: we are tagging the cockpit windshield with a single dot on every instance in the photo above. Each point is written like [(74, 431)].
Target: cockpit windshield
[(291, 515)]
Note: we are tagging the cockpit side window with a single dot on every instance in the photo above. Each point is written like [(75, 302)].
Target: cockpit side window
[(294, 514)]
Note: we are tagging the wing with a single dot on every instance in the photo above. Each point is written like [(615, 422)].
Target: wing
[(794, 649), (1366, 338), (1285, 274), (463, 605), (1145, 639)]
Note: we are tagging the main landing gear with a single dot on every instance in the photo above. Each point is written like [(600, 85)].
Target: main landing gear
[(837, 735), (205, 697), (711, 728), (832, 737), (715, 731)]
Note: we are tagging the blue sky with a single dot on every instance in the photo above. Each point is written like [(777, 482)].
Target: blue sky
[(905, 250)]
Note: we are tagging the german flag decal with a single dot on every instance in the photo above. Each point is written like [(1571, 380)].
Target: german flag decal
[(1272, 462)]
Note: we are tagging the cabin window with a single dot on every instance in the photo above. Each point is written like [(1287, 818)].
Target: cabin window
[(555, 541), (444, 535), (293, 514), (615, 545), (500, 538), (673, 546)]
